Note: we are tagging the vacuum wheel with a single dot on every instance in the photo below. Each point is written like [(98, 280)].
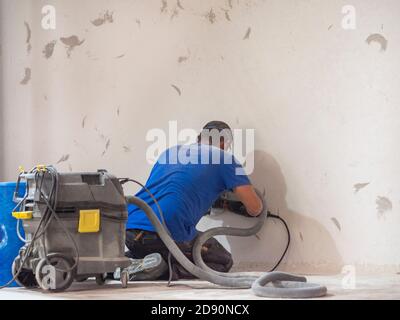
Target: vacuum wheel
[(55, 275), (25, 278), (101, 279), (124, 278)]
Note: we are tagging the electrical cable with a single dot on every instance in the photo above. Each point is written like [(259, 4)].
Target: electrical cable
[(125, 180), (18, 220), (20, 237), (68, 234), (54, 174), (273, 216)]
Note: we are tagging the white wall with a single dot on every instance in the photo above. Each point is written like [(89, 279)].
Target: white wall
[(324, 103)]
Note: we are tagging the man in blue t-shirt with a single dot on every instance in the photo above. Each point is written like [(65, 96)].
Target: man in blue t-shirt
[(186, 181)]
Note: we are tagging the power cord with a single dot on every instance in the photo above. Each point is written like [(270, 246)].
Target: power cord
[(274, 216)]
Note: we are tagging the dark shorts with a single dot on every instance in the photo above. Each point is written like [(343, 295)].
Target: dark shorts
[(142, 243)]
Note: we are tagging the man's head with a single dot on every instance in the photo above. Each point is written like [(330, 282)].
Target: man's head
[(216, 133)]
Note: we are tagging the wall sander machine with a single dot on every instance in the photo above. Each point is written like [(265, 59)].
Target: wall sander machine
[(74, 227)]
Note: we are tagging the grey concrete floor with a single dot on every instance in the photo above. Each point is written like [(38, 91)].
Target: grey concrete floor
[(366, 287)]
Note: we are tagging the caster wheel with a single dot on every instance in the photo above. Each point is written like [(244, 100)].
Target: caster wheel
[(124, 279), (101, 279), (56, 275), (25, 278)]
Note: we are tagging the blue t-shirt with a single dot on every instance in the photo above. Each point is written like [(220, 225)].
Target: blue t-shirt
[(186, 181)]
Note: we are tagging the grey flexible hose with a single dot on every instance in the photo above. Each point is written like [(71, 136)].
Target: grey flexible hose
[(179, 256), (228, 231), (283, 285)]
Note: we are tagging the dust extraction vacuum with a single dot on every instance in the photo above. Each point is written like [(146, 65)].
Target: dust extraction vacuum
[(75, 229)]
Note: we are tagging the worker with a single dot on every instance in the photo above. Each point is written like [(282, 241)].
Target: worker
[(186, 181)]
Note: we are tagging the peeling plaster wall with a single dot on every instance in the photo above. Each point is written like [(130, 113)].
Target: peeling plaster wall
[(16, 103), (323, 101)]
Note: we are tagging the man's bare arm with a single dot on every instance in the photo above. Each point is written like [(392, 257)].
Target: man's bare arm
[(248, 196)]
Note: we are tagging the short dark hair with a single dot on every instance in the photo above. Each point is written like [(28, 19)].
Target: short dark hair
[(219, 125), (214, 125)]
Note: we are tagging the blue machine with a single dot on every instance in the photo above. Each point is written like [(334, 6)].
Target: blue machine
[(9, 241)]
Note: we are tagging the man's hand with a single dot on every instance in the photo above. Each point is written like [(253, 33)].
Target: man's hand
[(243, 201), (251, 200)]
